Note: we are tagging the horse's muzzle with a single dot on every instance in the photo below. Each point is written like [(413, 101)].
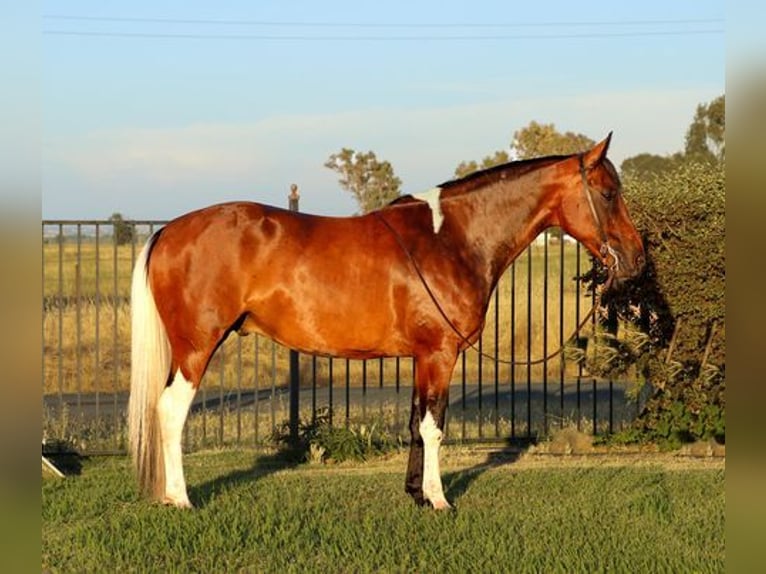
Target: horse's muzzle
[(624, 270)]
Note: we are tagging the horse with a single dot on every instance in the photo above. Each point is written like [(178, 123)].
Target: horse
[(411, 279)]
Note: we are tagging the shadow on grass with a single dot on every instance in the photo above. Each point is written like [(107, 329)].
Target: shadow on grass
[(263, 465), (64, 457), (457, 483)]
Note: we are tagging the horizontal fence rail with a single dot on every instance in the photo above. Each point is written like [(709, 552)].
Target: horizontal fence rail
[(252, 382)]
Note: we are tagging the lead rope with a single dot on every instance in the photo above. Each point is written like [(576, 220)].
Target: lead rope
[(462, 337)]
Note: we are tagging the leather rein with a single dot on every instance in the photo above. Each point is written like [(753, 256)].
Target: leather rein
[(605, 250)]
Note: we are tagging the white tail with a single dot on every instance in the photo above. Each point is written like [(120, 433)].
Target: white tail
[(150, 369)]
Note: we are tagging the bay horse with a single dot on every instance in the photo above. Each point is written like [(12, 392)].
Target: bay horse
[(411, 279)]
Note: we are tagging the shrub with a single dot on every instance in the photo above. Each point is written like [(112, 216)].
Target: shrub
[(673, 318), (320, 441)]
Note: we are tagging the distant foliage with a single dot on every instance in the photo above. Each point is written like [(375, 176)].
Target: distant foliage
[(372, 182), (650, 165), (533, 140), (537, 140), (705, 137), (705, 143), (675, 318), (123, 231), (468, 167)]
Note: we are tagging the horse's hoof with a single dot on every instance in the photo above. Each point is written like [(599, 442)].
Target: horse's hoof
[(184, 503), (441, 504)]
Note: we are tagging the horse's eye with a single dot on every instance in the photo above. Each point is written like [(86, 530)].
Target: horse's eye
[(609, 193)]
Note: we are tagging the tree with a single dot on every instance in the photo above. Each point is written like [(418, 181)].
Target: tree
[(534, 140), (123, 231), (468, 167), (648, 163), (372, 182), (537, 140), (704, 144), (705, 136)]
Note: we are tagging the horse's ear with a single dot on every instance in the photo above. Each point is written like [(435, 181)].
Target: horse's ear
[(597, 153)]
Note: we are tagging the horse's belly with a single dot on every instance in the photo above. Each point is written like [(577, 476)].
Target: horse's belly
[(341, 328)]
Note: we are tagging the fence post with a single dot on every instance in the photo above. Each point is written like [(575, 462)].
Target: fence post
[(295, 382)]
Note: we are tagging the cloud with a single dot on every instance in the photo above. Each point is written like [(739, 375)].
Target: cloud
[(261, 158)]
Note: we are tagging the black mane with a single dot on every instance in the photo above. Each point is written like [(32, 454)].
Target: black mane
[(508, 170)]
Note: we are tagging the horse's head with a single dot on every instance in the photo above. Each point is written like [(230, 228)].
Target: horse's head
[(594, 212)]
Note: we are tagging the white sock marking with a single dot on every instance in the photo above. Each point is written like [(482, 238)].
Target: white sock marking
[(173, 407), (432, 198), (432, 482)]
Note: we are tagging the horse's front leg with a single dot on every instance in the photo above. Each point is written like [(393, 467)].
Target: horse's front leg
[(429, 406)]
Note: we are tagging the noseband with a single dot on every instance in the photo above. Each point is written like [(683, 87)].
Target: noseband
[(605, 249)]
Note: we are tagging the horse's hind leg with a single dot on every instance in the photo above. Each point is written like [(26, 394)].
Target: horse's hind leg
[(172, 409)]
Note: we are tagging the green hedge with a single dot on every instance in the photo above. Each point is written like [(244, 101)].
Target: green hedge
[(673, 320)]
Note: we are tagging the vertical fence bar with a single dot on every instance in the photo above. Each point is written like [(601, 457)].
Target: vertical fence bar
[(256, 388), (380, 385), (364, 389), (60, 343), (221, 382), (295, 368), (348, 391), (578, 294), (313, 389), (595, 407), (562, 363), (294, 394), (78, 317), (462, 395), (546, 237), (115, 341), (97, 358), (595, 394), (203, 412), (513, 350), (529, 341), (45, 308), (133, 238), (398, 381), (497, 362), (480, 377), (413, 366), (329, 389), (239, 390), (273, 385)]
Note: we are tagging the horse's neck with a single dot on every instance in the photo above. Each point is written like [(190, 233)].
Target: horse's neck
[(502, 220)]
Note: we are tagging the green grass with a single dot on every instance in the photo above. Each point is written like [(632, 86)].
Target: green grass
[(257, 515)]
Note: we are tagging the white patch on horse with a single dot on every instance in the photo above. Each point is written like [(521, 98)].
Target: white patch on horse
[(172, 408), (432, 198), (432, 482)]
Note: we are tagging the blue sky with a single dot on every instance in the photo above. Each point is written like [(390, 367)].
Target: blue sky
[(154, 109)]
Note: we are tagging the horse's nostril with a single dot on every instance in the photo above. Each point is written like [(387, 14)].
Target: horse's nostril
[(640, 261)]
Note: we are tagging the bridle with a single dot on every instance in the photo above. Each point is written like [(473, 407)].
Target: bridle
[(606, 249)]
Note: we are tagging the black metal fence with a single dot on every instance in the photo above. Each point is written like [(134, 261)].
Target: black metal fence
[(256, 391)]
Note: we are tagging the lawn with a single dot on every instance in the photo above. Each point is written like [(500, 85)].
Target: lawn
[(256, 513)]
